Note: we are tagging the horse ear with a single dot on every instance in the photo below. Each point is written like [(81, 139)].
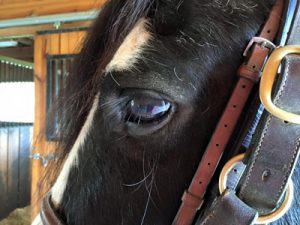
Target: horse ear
[(169, 16)]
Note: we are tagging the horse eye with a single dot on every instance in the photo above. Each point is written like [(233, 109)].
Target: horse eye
[(146, 110)]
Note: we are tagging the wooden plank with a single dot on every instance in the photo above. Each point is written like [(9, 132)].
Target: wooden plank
[(75, 41), (3, 171), (54, 42), (31, 31), (64, 47), (80, 37), (39, 124), (13, 166), (21, 8), (25, 170)]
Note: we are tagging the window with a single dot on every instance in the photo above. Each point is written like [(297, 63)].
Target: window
[(58, 68), (17, 102)]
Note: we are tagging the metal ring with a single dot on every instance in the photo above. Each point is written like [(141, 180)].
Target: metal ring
[(226, 169), (265, 219), (284, 207), (267, 80)]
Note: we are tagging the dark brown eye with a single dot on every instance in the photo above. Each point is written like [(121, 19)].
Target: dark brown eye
[(146, 110)]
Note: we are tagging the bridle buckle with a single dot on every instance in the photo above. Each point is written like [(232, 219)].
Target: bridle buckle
[(264, 219), (263, 42), (267, 80)]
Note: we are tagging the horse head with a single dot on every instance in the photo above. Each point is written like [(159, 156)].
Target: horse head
[(147, 91)]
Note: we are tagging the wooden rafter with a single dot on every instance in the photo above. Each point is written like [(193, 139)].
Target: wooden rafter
[(17, 32), (10, 9)]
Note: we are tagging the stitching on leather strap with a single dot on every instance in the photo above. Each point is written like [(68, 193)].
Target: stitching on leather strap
[(211, 216), (295, 152), (257, 152), (288, 172), (277, 98)]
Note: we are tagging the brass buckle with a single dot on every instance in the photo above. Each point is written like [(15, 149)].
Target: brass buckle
[(263, 219), (267, 80)]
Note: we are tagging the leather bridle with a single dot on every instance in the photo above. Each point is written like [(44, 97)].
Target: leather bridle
[(254, 185), (257, 186)]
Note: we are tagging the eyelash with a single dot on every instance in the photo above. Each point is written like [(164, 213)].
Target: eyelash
[(143, 110)]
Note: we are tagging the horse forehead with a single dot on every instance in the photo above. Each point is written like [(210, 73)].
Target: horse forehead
[(131, 49)]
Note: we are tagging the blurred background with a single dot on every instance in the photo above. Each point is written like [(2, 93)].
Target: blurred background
[(38, 42)]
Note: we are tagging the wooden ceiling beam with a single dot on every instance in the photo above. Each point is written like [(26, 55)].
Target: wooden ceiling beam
[(16, 32), (23, 53), (11, 9)]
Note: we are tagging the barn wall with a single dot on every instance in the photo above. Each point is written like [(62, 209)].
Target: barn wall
[(15, 146)]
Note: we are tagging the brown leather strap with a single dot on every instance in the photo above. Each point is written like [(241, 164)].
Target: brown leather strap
[(225, 205), (48, 214), (271, 164), (277, 149), (249, 73)]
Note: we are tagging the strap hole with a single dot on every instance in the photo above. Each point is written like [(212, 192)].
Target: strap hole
[(217, 145), (226, 125), (286, 122), (234, 106), (200, 182), (244, 86), (254, 66), (235, 170), (208, 164), (268, 31)]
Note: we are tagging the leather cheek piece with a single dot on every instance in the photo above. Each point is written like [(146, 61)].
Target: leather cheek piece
[(48, 214), (277, 148), (229, 204)]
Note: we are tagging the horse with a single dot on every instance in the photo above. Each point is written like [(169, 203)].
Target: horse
[(148, 88)]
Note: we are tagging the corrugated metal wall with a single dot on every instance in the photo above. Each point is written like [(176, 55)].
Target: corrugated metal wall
[(15, 146), (15, 70)]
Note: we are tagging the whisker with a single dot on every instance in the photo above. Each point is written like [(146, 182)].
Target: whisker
[(129, 117), (148, 200), (179, 4), (177, 75), (112, 103), (206, 110), (139, 120), (112, 77), (141, 181), (193, 86), (121, 138)]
